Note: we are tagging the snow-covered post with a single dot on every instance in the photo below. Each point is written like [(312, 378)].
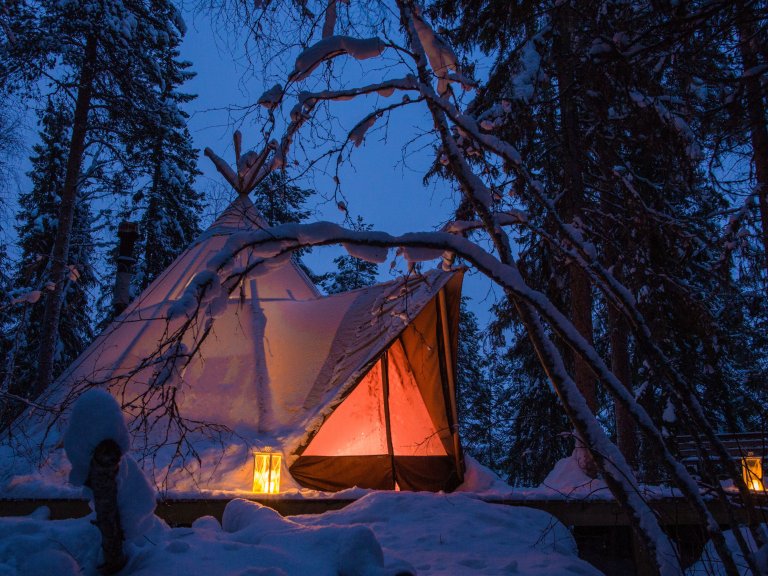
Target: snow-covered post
[(102, 480), (96, 442)]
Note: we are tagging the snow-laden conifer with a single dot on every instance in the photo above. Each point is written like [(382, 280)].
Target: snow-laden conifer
[(109, 52), (36, 226)]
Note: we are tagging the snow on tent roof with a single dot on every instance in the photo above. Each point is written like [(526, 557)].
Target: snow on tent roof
[(266, 372)]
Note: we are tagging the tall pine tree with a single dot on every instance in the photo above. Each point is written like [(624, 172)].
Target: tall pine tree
[(36, 227), (108, 51), (171, 206), (279, 201)]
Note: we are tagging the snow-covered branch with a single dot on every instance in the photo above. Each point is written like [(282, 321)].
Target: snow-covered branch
[(331, 47), (276, 241)]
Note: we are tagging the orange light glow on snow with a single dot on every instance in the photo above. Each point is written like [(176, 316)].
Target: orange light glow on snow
[(266, 472)]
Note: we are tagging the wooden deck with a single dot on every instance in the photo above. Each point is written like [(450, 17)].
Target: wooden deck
[(601, 528), (176, 512), (571, 512), (670, 511)]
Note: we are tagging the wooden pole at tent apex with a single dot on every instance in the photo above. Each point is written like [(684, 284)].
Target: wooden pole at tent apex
[(250, 168)]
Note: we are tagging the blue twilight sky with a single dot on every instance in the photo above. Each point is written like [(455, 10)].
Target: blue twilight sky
[(377, 184)]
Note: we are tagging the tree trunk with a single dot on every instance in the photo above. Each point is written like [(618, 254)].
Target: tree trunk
[(572, 207), (756, 117), (619, 335), (626, 431), (152, 260), (60, 252)]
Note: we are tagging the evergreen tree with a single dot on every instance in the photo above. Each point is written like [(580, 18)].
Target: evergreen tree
[(10, 146), (37, 223), (5, 314), (532, 428), (481, 399), (171, 215), (108, 50), (279, 201)]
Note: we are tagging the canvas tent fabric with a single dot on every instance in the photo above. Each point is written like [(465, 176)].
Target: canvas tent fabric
[(354, 388)]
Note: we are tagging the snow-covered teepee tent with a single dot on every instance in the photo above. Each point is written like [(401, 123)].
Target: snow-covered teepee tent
[(353, 389)]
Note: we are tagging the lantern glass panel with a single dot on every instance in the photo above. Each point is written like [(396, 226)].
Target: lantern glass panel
[(266, 472), (752, 467)]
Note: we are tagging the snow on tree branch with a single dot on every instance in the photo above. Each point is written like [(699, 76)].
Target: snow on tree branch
[(674, 121), (272, 97), (509, 218), (329, 24), (357, 134), (441, 57), (328, 48), (28, 297), (375, 254), (385, 88)]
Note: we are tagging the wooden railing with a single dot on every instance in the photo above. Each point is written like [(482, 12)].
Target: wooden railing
[(739, 445)]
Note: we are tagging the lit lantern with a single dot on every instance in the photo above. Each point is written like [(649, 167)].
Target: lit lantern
[(752, 467), (266, 472)]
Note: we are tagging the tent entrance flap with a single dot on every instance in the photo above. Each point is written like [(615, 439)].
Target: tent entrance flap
[(383, 422), (340, 472)]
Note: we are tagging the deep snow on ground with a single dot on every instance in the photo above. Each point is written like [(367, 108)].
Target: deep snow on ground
[(710, 565), (383, 533)]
